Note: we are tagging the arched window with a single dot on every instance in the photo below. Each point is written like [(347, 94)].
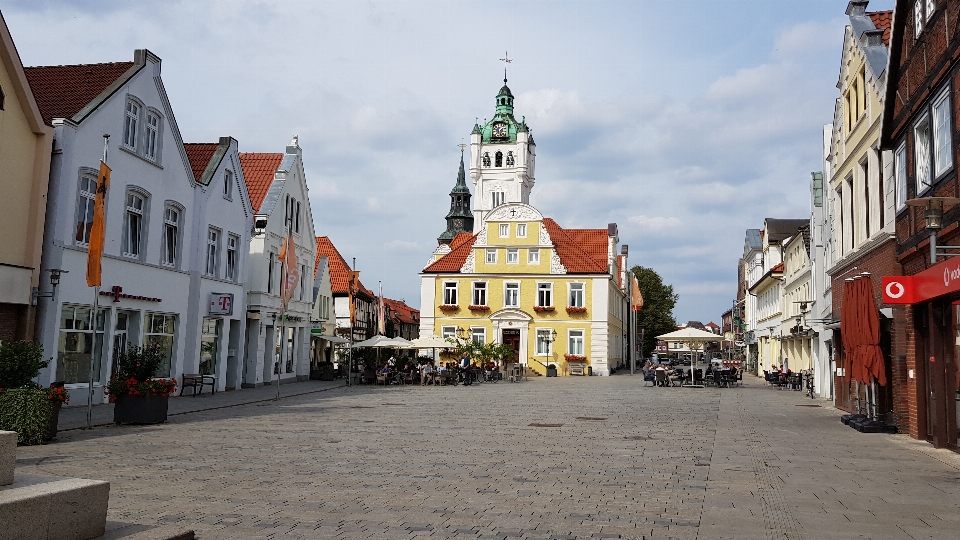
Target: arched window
[(510, 160), (498, 159), (486, 159), (134, 230)]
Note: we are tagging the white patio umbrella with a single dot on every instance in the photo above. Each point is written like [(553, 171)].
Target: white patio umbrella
[(431, 342), (694, 339), (383, 342)]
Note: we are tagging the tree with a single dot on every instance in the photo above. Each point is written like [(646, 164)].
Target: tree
[(656, 316)]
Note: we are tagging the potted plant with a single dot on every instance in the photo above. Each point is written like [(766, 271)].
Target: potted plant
[(574, 358), (138, 397), (449, 307), (542, 309), (25, 407), (478, 308), (326, 372), (551, 370), (574, 310)]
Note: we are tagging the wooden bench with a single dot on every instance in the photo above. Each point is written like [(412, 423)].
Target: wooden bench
[(196, 382), (576, 368)]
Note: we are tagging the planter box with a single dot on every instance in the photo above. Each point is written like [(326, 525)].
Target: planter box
[(551, 372), (53, 421), (140, 409)]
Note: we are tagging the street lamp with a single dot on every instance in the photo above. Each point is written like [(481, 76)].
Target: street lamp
[(934, 222), (54, 281)]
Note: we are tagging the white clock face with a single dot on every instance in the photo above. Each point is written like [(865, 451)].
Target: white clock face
[(499, 130)]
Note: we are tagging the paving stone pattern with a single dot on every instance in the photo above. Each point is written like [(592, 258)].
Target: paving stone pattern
[(627, 461)]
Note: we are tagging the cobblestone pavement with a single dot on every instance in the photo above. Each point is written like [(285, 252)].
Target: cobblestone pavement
[(590, 457)]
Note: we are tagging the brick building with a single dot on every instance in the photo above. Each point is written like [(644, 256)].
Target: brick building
[(918, 128)]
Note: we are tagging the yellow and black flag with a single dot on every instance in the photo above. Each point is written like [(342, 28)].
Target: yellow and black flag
[(95, 251)]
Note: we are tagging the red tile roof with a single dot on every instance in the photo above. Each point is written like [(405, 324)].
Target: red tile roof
[(259, 169), (339, 269), (453, 261), (777, 268), (404, 312), (581, 251), (199, 155), (63, 91), (883, 20)]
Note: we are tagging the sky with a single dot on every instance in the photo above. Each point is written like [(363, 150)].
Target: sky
[(685, 122)]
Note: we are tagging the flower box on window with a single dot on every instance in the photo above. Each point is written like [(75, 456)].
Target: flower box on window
[(479, 308), (540, 309), (574, 358), (572, 310), (449, 307)]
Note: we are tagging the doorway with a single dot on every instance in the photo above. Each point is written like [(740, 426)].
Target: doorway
[(511, 338)]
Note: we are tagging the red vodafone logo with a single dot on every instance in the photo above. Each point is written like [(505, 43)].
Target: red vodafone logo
[(894, 289)]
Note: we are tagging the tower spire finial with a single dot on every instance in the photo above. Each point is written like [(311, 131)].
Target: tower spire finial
[(506, 60)]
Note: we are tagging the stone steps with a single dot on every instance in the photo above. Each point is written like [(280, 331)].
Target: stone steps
[(35, 507)]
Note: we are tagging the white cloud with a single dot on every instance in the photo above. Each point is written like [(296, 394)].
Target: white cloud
[(656, 223)]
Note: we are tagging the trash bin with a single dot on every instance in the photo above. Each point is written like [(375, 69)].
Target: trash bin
[(551, 370), (589, 371)]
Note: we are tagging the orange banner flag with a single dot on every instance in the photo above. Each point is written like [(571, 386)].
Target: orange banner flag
[(288, 255), (636, 298), (95, 249)]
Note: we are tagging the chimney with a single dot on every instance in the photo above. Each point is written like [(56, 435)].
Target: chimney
[(872, 38)]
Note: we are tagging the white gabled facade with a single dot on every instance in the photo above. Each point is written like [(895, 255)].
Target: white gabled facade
[(156, 215), (278, 188)]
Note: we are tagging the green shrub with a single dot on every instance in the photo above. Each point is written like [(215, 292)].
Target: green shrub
[(140, 363), (20, 363), (26, 411)]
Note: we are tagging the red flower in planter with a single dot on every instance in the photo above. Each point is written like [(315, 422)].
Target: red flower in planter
[(576, 310), (540, 309), (479, 308), (449, 307), (574, 358)]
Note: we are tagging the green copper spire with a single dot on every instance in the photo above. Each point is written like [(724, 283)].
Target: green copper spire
[(460, 217)]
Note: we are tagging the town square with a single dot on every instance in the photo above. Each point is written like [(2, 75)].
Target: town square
[(557, 269)]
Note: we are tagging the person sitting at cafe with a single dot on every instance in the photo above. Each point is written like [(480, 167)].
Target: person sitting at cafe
[(426, 370), (661, 368)]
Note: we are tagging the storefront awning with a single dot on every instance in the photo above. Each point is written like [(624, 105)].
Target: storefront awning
[(331, 339)]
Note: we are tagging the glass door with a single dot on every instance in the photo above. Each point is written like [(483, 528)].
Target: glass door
[(119, 340)]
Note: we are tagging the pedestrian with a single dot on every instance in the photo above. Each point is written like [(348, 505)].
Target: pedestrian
[(392, 361), (425, 371)]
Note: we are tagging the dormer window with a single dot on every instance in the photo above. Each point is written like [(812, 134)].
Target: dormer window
[(498, 159)]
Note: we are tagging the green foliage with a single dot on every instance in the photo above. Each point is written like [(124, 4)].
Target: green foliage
[(656, 317), (20, 363), (26, 411), (480, 352), (139, 363)]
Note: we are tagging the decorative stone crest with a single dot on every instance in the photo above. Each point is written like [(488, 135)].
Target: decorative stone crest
[(545, 236), (468, 265), (514, 212), (556, 267), (481, 237), (441, 250)]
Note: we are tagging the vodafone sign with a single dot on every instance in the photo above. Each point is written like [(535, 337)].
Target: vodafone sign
[(938, 280)]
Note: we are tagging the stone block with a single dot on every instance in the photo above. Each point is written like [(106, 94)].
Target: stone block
[(53, 508), (8, 456)]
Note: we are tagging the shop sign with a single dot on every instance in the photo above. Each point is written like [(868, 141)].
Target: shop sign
[(117, 293), (221, 304), (938, 280)]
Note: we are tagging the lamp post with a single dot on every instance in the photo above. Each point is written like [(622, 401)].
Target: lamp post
[(54, 281), (933, 215)]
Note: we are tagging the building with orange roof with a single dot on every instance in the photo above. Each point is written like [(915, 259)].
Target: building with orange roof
[(278, 335), (559, 297), (25, 143), (402, 320), (353, 303)]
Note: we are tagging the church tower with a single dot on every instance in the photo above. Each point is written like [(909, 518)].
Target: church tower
[(460, 218), (502, 157)]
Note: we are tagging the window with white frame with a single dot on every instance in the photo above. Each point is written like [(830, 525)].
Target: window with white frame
[(448, 332), (922, 11), (233, 242), (131, 120), (450, 293), (575, 345), (213, 252), (900, 175), (921, 138), (171, 235), (543, 341), (303, 281), (498, 197), (533, 256), (480, 293), (521, 230), (513, 256), (942, 140), (296, 219), (78, 342), (491, 256), (228, 185), (271, 271), (151, 136), (161, 330), (133, 224), (511, 295), (86, 197), (479, 335), (576, 295), (544, 294), (504, 230)]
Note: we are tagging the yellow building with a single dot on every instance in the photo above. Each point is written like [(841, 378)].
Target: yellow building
[(554, 295), (25, 143)]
